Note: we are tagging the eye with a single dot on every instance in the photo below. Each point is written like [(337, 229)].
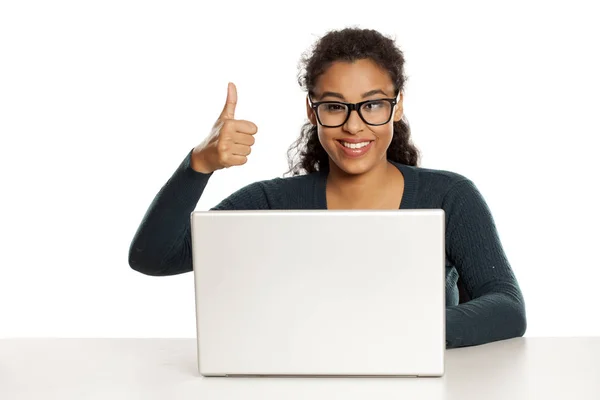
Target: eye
[(374, 105), (334, 107)]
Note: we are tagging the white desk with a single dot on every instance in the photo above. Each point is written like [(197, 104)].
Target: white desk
[(525, 368)]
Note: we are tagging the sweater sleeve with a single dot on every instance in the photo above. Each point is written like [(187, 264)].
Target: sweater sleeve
[(162, 243), (496, 310)]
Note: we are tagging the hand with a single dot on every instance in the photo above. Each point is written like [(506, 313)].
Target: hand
[(229, 141)]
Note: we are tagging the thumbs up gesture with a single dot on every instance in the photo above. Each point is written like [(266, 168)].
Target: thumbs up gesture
[(229, 141)]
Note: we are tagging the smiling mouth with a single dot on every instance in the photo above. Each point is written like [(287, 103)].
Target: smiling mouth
[(356, 145), (356, 149)]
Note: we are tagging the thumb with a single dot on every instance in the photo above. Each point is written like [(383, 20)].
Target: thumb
[(230, 103)]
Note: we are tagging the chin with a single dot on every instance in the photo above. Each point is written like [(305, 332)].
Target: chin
[(353, 167)]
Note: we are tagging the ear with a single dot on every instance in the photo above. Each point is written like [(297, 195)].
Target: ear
[(399, 108), (310, 113)]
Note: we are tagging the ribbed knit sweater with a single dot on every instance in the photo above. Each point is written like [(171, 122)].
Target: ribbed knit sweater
[(491, 305)]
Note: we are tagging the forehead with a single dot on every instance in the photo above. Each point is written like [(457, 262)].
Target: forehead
[(354, 78)]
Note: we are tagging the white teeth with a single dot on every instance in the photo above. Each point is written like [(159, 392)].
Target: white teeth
[(355, 145)]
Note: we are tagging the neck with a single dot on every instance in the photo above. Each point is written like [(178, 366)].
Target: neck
[(359, 187)]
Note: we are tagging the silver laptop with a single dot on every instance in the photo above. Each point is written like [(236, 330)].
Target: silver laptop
[(320, 292)]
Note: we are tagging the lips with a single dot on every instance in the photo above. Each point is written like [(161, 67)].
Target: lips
[(355, 148), (355, 140)]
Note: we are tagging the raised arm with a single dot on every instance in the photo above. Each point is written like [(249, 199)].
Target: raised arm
[(496, 310), (162, 243)]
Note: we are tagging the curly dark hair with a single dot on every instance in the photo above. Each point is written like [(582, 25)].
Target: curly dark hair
[(349, 44)]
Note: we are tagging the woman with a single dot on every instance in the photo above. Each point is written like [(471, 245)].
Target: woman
[(349, 160)]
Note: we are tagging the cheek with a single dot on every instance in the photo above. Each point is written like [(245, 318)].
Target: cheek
[(384, 134), (326, 135)]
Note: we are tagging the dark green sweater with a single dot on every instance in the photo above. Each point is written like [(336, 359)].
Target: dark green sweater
[(489, 306)]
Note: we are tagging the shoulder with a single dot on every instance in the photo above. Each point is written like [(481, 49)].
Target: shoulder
[(437, 177), (268, 193), (436, 184), (456, 193), (286, 182), (281, 183)]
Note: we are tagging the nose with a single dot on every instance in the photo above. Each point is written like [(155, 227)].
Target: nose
[(354, 124)]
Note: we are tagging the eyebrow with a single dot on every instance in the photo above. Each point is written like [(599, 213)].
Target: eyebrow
[(341, 97)]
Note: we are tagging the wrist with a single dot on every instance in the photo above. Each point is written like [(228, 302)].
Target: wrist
[(198, 163)]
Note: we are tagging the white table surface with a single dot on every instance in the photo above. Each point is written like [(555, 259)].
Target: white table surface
[(524, 368)]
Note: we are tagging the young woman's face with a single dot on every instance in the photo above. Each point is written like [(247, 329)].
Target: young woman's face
[(355, 147)]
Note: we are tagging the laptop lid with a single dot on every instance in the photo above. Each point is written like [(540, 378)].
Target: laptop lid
[(320, 292)]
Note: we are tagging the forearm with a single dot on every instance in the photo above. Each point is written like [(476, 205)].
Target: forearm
[(160, 242), (491, 317)]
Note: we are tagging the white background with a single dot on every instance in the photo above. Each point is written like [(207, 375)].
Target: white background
[(101, 100)]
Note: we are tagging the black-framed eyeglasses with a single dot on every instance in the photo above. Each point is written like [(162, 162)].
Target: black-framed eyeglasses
[(333, 114)]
